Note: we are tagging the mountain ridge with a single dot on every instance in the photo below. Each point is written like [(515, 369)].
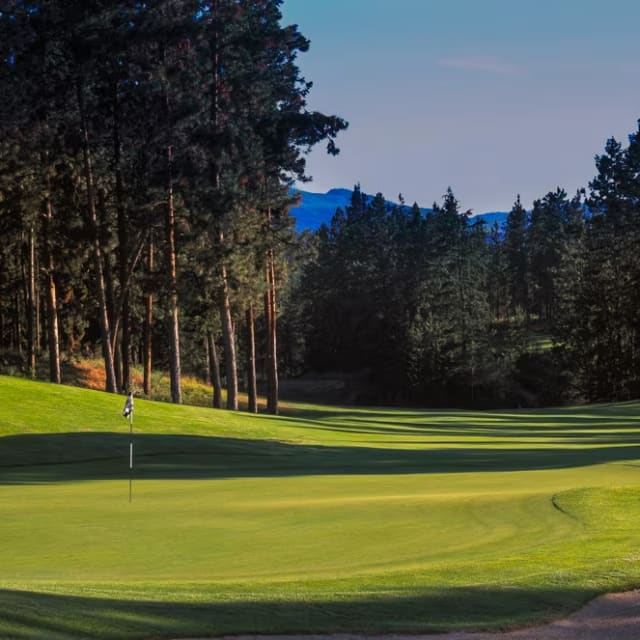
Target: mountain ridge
[(318, 208)]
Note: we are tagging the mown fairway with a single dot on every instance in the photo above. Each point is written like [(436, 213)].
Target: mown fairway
[(324, 519)]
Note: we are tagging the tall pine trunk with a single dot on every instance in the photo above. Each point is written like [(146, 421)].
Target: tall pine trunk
[(123, 243), (17, 322), (148, 325), (252, 388), (38, 305), (31, 302), (110, 286), (270, 310), (175, 368), (3, 321), (103, 315), (53, 337), (214, 371), (228, 334)]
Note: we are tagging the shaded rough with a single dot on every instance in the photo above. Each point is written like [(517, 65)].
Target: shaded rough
[(614, 616)]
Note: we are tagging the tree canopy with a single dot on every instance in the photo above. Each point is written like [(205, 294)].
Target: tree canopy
[(147, 155)]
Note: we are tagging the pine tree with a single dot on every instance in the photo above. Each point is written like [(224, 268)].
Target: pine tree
[(516, 255), (498, 279), (600, 329)]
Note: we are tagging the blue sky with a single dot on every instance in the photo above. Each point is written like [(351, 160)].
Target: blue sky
[(490, 97)]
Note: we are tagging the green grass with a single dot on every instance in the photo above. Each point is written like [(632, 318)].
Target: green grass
[(324, 519)]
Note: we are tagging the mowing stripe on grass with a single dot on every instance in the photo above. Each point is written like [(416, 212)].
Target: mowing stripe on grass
[(323, 519)]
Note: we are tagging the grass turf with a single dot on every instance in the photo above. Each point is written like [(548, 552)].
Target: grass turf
[(325, 519)]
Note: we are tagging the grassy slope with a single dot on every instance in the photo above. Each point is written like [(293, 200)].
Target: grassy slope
[(324, 519)]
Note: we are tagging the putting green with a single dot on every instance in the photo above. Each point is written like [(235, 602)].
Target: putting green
[(238, 530), (324, 519)]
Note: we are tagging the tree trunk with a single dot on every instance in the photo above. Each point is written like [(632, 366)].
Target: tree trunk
[(112, 310), (123, 244), (175, 373), (207, 362), (125, 343), (17, 323), (148, 327), (2, 320), (31, 302), (3, 272), (228, 334), (271, 325), (214, 371), (103, 316), (252, 389), (38, 302), (53, 337)]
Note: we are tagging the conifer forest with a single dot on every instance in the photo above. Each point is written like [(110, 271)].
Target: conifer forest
[(147, 156)]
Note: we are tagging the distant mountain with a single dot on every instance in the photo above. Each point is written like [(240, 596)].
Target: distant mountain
[(491, 217), (317, 208)]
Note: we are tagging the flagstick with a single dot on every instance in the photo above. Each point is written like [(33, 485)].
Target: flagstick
[(130, 453)]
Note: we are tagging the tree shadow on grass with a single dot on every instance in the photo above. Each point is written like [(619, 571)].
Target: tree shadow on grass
[(545, 425), (493, 429), (44, 458), (26, 615)]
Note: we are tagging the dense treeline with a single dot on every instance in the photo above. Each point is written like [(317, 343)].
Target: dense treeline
[(147, 152), (442, 310), (146, 155)]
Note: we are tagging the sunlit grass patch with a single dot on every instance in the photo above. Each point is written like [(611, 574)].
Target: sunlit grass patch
[(323, 519)]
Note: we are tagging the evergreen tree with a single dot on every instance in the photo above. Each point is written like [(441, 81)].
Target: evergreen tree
[(450, 330), (498, 274), (545, 243), (600, 327), (516, 256)]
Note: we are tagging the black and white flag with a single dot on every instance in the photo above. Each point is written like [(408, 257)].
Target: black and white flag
[(128, 406)]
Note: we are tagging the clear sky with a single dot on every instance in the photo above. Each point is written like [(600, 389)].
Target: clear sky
[(490, 97)]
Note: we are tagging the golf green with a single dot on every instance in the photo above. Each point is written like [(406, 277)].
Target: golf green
[(323, 519)]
